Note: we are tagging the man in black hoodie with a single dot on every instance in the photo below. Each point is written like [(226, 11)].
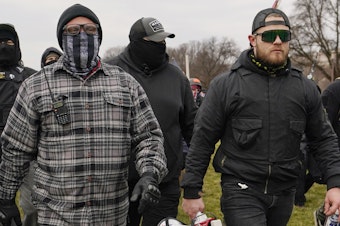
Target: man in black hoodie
[(12, 74), (12, 70), (50, 56), (259, 111), (331, 101), (169, 92)]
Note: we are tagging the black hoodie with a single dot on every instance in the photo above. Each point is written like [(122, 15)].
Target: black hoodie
[(47, 52), (172, 101), (11, 75)]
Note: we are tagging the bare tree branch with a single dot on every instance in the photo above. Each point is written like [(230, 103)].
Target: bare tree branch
[(207, 58), (316, 36)]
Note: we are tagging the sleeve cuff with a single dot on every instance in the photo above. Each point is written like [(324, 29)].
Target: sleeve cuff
[(149, 174), (333, 182), (191, 193)]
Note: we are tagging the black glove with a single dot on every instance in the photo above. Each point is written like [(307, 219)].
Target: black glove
[(9, 211), (147, 190)]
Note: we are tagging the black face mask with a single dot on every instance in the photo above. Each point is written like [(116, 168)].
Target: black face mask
[(148, 53), (8, 55)]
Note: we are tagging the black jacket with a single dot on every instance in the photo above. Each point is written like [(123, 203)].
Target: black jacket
[(172, 101), (331, 101), (10, 81), (260, 119)]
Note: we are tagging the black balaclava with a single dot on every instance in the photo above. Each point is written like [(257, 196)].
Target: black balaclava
[(9, 55)]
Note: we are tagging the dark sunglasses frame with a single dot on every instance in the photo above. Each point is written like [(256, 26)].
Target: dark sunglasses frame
[(79, 26), (270, 36)]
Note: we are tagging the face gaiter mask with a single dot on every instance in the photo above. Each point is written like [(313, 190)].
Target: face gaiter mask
[(153, 54), (81, 52), (8, 55)]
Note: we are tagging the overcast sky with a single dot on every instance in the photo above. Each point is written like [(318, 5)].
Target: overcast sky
[(36, 20)]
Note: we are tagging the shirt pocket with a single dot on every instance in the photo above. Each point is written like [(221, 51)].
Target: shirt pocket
[(246, 130), (118, 109)]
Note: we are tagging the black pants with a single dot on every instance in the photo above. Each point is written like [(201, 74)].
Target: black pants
[(244, 206), (167, 206), (306, 180), (301, 185)]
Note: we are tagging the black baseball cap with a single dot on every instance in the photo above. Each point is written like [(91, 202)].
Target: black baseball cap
[(150, 28), (259, 20)]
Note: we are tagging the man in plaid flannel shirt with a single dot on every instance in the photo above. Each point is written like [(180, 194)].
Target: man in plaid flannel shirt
[(81, 119)]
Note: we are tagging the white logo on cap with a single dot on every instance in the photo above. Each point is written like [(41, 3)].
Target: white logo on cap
[(156, 26)]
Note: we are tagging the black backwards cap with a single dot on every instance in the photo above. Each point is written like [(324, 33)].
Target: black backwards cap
[(72, 12), (259, 20), (148, 27)]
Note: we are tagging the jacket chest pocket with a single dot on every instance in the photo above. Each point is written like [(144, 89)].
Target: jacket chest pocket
[(245, 131), (297, 129), (118, 107)]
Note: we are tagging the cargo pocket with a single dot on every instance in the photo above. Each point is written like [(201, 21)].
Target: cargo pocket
[(245, 131), (297, 128)]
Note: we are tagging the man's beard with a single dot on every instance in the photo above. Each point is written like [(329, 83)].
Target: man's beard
[(272, 61)]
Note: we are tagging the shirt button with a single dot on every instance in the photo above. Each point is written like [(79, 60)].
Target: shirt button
[(88, 129), (87, 106), (89, 178), (88, 203)]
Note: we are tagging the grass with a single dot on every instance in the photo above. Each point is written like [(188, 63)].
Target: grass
[(301, 216)]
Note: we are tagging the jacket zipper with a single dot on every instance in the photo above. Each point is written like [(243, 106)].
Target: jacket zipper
[(267, 180), (269, 166)]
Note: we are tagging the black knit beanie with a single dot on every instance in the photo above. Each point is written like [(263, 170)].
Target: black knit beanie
[(72, 12)]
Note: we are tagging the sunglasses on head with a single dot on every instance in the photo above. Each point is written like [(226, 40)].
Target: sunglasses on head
[(270, 36)]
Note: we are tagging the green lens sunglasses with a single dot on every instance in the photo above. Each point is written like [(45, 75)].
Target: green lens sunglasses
[(270, 36)]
